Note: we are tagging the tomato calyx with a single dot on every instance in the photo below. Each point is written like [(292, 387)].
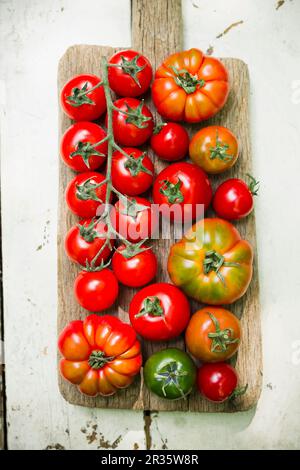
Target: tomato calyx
[(86, 150), (238, 392), (131, 207), (90, 267), (186, 80), (130, 67), (170, 375), (172, 191), (158, 128), (221, 338), (213, 261), (87, 190), (151, 306), (79, 95), (135, 116), (135, 165), (220, 150), (253, 185), (88, 232), (97, 359), (133, 249)]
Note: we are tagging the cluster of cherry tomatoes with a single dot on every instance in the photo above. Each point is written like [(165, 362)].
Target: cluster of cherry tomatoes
[(102, 354)]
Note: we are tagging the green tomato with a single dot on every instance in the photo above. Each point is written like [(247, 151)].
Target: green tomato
[(170, 373)]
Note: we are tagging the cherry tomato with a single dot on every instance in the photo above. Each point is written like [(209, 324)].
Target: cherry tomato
[(159, 312), (81, 104), (134, 267), (134, 219), (182, 187), (133, 76), (96, 290), (132, 174), (78, 149), (233, 199), (170, 141), (84, 240), (133, 124), (86, 193), (218, 382), (214, 148)]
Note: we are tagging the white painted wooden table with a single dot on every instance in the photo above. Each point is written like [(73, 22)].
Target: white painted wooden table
[(34, 35)]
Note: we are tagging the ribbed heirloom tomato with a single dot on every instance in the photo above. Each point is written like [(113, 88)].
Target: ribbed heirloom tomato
[(190, 86), (134, 266), (100, 354)]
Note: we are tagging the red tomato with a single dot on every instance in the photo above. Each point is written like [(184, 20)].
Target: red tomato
[(133, 76), (217, 382), (81, 104), (170, 141), (159, 312), (84, 240), (133, 124), (233, 199), (132, 174), (134, 219), (134, 268), (78, 149), (96, 290), (85, 194), (182, 187)]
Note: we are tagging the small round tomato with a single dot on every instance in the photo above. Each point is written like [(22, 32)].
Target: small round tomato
[(214, 148), (133, 124), (233, 199), (85, 240), (170, 374), (96, 290), (159, 312), (82, 98), (218, 382), (129, 73), (134, 219), (213, 334), (85, 194), (185, 189), (132, 174), (134, 266), (170, 141), (78, 147)]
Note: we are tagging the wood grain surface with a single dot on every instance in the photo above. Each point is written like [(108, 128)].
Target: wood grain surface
[(157, 31)]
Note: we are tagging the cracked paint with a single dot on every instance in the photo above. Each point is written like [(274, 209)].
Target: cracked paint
[(226, 30)]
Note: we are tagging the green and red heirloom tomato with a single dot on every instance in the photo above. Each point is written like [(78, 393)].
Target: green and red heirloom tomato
[(134, 266), (190, 86), (96, 290), (182, 187), (213, 334), (214, 148), (132, 174), (132, 122), (129, 73), (78, 147), (233, 199), (218, 382), (159, 312), (100, 354), (85, 240), (82, 98), (86, 193), (170, 374), (170, 141), (212, 264), (134, 219)]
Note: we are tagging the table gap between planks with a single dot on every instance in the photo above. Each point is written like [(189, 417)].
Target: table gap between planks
[(157, 32)]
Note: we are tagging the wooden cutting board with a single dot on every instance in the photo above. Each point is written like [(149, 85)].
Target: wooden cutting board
[(157, 32)]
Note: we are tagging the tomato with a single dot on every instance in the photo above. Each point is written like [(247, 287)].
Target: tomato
[(134, 219), (82, 99), (170, 373), (85, 240), (213, 334), (214, 148), (96, 290), (100, 354), (190, 86), (78, 149), (132, 174), (159, 312), (233, 199), (212, 264), (133, 74), (133, 124), (184, 188), (170, 141), (134, 267), (218, 382), (85, 194)]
